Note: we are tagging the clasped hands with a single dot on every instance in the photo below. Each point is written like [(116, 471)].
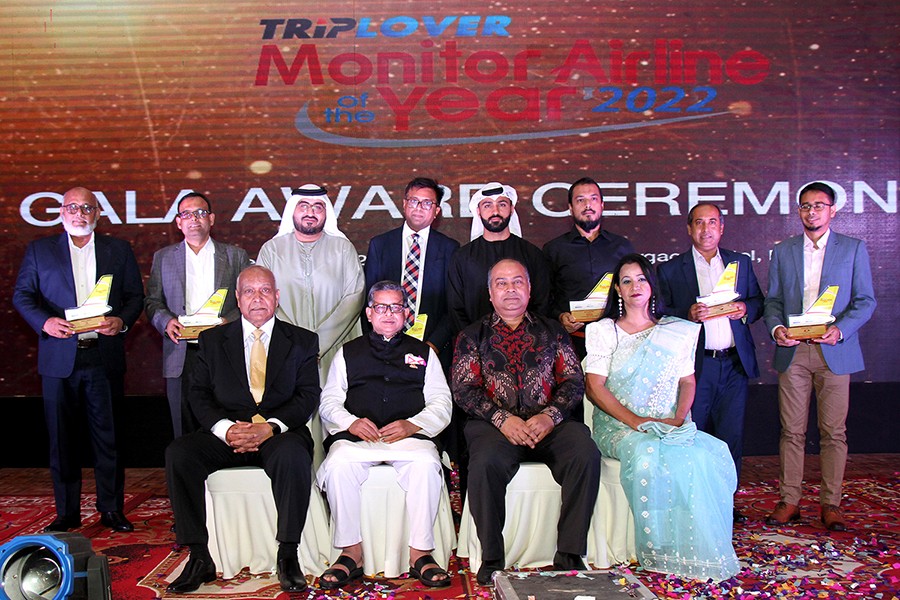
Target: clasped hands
[(526, 433), (247, 437), (367, 431)]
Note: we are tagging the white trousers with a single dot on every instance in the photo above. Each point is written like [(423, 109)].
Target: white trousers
[(419, 473)]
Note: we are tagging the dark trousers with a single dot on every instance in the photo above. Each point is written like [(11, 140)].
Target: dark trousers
[(183, 420), (573, 459), (190, 459), (720, 402), (87, 391)]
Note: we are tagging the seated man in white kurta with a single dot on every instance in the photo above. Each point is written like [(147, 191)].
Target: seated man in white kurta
[(385, 401)]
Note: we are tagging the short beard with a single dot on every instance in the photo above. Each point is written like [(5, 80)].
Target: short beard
[(307, 230), (79, 231), (496, 228), (589, 225)]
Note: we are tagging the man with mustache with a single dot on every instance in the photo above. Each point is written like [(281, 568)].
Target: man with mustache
[(81, 372), (495, 235), (726, 358), (182, 278), (580, 257)]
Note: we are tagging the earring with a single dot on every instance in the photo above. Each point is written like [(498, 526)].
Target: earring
[(621, 307), (653, 305)]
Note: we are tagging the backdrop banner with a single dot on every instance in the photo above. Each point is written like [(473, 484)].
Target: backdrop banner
[(665, 103)]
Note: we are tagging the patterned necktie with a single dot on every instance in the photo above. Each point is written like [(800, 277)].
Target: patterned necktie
[(257, 367), (410, 280)]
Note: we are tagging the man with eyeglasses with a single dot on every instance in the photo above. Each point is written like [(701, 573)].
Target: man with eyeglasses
[(495, 234), (182, 278), (418, 256), (580, 257), (517, 376), (81, 371), (385, 401), (800, 270), (321, 279)]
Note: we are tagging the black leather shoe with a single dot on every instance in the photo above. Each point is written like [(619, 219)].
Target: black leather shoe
[(485, 575), (566, 561), (63, 524), (738, 516), (116, 521), (290, 576), (197, 571)]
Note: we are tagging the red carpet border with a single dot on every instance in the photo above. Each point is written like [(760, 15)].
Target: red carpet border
[(802, 560)]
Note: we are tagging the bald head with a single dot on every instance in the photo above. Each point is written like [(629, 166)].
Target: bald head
[(257, 295)]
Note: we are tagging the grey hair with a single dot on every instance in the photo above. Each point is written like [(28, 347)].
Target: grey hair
[(386, 285)]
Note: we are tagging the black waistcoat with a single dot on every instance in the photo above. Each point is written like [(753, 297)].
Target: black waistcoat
[(385, 380)]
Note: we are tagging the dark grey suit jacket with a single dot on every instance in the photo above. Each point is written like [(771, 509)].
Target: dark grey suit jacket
[(846, 266), (166, 290)]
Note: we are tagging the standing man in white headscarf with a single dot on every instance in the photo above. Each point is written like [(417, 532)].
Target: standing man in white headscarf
[(318, 272), (496, 234)]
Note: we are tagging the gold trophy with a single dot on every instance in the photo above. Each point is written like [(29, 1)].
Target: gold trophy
[(721, 301), (813, 323), (91, 313), (205, 318), (590, 309)]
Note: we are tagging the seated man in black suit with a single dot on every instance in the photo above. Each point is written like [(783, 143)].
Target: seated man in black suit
[(255, 386)]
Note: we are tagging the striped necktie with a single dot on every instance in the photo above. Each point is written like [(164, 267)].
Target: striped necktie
[(410, 281)]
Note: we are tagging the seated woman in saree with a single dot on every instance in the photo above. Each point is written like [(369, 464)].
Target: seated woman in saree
[(679, 481)]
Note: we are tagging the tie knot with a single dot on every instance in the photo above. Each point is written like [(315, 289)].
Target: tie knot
[(257, 335), (415, 237)]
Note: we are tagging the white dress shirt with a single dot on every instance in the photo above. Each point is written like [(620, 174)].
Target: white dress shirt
[(220, 429), (84, 271), (200, 272), (717, 331)]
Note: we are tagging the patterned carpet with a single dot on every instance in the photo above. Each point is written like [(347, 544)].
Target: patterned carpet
[(799, 561)]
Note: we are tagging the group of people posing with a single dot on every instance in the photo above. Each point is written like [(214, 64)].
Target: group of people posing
[(432, 346)]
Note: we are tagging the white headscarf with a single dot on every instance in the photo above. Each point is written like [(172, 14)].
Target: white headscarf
[(309, 191), (493, 191)]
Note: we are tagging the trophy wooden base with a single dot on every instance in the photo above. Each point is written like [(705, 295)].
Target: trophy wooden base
[(87, 324), (587, 315), (193, 332), (720, 310), (806, 332)]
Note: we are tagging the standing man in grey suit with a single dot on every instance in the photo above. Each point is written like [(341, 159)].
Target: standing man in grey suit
[(726, 357), (182, 278), (801, 268)]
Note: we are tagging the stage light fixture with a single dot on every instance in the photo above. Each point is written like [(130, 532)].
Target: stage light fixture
[(53, 567)]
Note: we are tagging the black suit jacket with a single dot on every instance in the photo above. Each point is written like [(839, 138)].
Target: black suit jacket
[(45, 287), (220, 389), (383, 261), (679, 290)]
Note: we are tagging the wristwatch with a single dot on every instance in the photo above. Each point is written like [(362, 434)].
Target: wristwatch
[(276, 429)]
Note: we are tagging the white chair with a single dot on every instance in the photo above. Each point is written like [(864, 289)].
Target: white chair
[(533, 501), (386, 531), (241, 521)]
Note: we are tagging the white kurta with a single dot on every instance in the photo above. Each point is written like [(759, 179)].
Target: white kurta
[(416, 461), (322, 289)]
